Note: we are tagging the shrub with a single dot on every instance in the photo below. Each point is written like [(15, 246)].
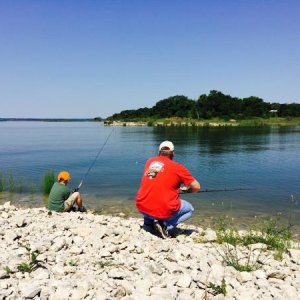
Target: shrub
[(11, 183), (241, 262), (273, 232), (2, 182), (150, 123), (48, 181)]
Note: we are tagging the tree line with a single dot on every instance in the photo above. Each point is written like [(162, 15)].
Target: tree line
[(215, 104)]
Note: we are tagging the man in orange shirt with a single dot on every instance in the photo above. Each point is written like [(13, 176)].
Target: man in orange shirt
[(158, 196)]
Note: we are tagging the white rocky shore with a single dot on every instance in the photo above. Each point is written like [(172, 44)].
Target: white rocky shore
[(87, 256)]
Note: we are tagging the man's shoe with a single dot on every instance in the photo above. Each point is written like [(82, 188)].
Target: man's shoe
[(161, 229), (149, 228)]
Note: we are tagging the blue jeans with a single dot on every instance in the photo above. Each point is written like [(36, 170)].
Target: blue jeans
[(184, 213)]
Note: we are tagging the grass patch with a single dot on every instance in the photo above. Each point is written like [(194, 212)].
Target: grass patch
[(272, 232), (7, 270), (73, 263), (2, 182), (105, 263), (32, 188), (48, 181), (278, 255), (33, 262), (218, 289), (11, 183), (242, 263), (8, 183), (20, 185)]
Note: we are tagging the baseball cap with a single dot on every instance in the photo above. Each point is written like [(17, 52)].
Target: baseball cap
[(64, 175), (166, 144)]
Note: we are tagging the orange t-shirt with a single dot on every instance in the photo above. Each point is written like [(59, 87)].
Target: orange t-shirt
[(158, 193)]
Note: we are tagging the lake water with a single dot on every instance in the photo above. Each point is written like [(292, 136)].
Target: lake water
[(265, 159)]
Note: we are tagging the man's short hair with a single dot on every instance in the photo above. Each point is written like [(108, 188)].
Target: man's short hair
[(166, 152)]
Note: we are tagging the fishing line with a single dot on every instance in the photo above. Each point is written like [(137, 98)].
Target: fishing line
[(92, 164)]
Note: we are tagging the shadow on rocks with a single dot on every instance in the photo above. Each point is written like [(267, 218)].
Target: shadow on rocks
[(172, 233)]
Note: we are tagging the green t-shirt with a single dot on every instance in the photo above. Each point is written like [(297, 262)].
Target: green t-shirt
[(58, 195)]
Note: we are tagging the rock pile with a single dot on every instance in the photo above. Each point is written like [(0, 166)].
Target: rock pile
[(85, 256)]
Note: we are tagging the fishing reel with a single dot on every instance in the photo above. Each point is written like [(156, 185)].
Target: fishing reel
[(75, 190)]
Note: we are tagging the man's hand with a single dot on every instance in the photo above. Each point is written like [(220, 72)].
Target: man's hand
[(194, 187), (184, 189)]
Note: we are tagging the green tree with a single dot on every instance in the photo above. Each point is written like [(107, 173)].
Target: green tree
[(289, 110), (215, 104), (176, 106), (255, 107)]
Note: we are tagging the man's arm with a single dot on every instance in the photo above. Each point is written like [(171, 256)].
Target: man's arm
[(186, 177), (194, 187)]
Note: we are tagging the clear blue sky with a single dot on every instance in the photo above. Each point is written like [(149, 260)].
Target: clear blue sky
[(94, 58)]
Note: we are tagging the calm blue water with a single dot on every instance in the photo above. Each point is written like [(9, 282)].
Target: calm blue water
[(266, 159)]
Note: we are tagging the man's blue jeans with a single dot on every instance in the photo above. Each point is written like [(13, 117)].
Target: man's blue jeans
[(184, 213)]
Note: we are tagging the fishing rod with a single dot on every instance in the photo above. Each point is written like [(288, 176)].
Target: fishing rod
[(93, 162), (224, 190), (218, 190)]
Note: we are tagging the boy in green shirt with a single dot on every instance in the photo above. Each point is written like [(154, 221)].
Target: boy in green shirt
[(61, 198)]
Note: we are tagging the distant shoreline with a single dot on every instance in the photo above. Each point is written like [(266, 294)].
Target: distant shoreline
[(172, 122), (50, 119), (213, 122)]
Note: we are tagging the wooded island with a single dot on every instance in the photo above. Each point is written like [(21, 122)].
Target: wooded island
[(214, 107)]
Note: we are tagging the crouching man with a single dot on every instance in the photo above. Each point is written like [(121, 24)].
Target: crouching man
[(158, 196)]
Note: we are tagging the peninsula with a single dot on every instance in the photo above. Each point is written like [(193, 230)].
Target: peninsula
[(214, 109)]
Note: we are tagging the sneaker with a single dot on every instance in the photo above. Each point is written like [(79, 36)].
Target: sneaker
[(149, 228), (73, 208), (161, 229), (82, 209)]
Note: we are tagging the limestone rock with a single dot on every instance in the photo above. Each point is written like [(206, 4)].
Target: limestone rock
[(276, 274), (244, 277), (96, 257), (184, 281), (29, 290), (210, 236), (295, 255)]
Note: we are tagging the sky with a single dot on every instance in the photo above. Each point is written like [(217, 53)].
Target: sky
[(89, 58)]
